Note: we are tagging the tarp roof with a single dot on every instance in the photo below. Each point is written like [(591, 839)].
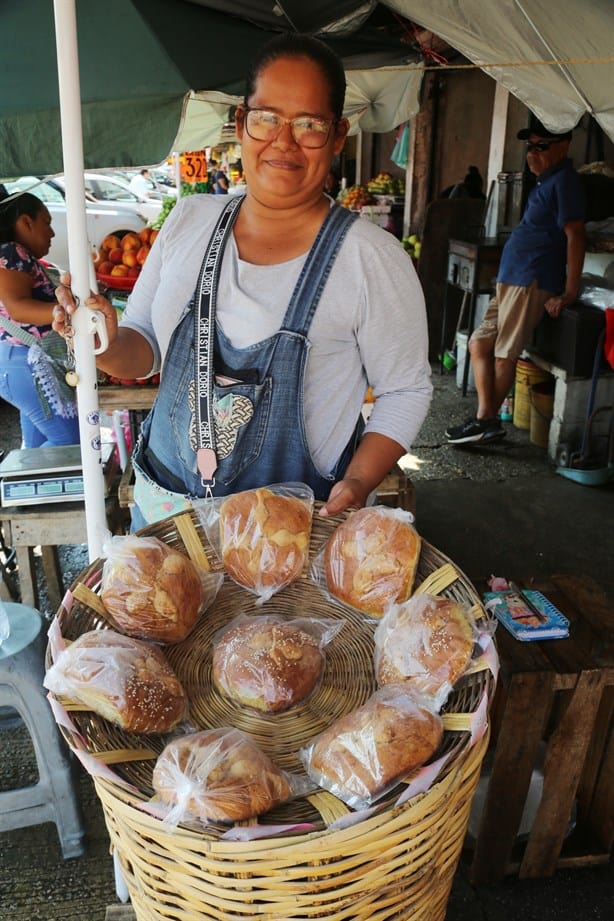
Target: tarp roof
[(560, 66), (159, 75), (557, 58), (141, 63)]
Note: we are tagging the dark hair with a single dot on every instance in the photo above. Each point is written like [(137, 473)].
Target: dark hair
[(295, 45), (11, 211)]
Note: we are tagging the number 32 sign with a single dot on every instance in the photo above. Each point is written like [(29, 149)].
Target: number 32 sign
[(193, 166)]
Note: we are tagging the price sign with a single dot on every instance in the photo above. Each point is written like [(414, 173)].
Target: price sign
[(193, 166)]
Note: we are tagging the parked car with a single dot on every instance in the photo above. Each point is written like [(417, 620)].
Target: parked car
[(111, 208), (160, 185)]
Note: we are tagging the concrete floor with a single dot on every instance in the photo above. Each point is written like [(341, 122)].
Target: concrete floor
[(500, 510)]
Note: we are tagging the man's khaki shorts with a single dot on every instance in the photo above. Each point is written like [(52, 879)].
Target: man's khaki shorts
[(512, 315)]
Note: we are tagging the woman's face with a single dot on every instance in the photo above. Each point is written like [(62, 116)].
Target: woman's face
[(279, 172), (35, 233)]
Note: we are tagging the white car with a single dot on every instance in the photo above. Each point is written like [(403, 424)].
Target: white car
[(111, 208), (160, 185)]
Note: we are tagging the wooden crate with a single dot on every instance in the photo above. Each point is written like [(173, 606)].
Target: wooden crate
[(395, 490), (557, 694)]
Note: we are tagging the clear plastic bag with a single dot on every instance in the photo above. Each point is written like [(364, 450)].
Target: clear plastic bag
[(365, 753), (370, 560), (270, 663), (261, 535), (125, 680), (220, 775), (153, 591), (426, 642)]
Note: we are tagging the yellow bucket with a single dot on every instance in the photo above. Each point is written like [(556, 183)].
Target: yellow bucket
[(527, 375), (542, 408)]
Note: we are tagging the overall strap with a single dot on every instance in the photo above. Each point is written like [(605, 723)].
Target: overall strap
[(316, 269), (204, 336)]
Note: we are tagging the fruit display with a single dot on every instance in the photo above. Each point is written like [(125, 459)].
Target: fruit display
[(105, 380), (385, 184), (168, 204), (123, 257), (356, 197), (412, 244)]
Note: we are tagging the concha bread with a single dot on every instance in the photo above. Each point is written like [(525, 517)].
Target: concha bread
[(371, 559), (151, 590), (264, 538), (368, 750), (267, 664), (127, 681), (427, 642), (218, 775)]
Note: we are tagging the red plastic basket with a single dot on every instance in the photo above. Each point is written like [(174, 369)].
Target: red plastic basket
[(118, 282)]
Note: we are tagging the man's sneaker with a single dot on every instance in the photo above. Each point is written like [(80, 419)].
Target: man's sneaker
[(475, 430)]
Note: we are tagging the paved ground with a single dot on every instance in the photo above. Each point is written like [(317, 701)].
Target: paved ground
[(499, 510)]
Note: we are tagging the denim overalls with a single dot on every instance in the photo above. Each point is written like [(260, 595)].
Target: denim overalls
[(258, 403)]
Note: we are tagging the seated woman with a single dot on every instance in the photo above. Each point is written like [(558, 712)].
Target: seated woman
[(47, 415)]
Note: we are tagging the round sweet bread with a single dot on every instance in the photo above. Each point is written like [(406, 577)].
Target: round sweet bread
[(267, 664), (127, 681), (264, 538), (218, 775), (151, 590), (371, 559), (366, 751), (427, 641)]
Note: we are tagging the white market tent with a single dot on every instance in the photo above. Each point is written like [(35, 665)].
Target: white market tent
[(557, 58)]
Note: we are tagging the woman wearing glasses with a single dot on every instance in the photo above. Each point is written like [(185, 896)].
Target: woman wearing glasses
[(539, 273), (270, 314)]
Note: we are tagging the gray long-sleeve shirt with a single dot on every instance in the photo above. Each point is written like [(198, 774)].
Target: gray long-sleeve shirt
[(369, 328)]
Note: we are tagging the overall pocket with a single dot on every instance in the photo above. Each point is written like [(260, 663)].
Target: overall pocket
[(241, 419)]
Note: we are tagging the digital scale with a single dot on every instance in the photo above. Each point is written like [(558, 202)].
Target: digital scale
[(33, 476)]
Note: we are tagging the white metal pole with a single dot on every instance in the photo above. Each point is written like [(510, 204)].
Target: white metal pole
[(177, 171), (80, 262)]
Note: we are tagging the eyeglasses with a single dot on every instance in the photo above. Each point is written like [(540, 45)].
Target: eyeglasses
[(540, 145), (307, 130)]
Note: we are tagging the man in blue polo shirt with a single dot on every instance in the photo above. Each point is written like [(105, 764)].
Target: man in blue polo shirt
[(540, 270)]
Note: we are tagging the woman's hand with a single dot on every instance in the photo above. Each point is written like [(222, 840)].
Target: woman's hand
[(375, 457), (348, 493), (67, 305)]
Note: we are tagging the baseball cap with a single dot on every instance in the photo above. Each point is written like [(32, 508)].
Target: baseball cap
[(542, 132)]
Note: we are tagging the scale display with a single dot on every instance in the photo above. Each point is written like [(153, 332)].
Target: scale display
[(33, 476), (31, 491)]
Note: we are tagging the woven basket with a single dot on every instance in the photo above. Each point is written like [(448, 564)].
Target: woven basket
[(395, 862)]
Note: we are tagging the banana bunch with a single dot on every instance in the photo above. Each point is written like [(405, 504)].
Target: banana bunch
[(385, 184)]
